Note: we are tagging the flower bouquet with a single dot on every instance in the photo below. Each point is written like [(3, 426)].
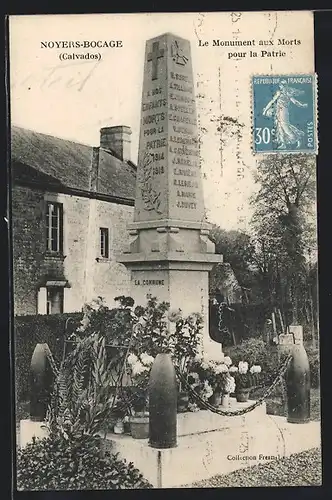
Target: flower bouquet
[(212, 380), (245, 379), (184, 341), (139, 367)]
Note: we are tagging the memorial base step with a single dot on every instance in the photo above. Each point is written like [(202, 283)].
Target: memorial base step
[(205, 420), (205, 454)]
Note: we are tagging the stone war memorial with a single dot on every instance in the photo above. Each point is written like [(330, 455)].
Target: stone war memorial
[(170, 254)]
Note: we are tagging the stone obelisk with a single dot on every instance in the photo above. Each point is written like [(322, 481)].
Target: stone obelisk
[(169, 253)]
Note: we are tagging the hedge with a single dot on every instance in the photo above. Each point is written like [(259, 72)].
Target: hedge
[(31, 330)]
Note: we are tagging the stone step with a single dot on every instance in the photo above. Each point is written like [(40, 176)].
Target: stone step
[(207, 421), (206, 454)]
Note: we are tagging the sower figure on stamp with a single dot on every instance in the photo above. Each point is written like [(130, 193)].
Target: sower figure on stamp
[(286, 133)]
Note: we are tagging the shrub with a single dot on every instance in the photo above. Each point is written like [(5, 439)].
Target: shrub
[(256, 351), (71, 456), (31, 330), (56, 464)]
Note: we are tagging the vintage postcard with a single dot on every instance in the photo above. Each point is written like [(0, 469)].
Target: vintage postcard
[(163, 216)]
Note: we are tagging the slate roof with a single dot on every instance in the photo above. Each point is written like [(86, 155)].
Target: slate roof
[(63, 164)]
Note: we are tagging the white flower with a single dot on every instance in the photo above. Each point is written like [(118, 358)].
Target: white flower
[(142, 321), (198, 357), (138, 368), (222, 368), (227, 361), (243, 367), (192, 319), (258, 369), (230, 385), (255, 369), (208, 391), (193, 407), (233, 369), (146, 359), (185, 332), (175, 315), (194, 375), (84, 323), (132, 359), (204, 365)]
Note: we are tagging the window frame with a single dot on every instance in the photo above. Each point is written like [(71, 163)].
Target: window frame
[(58, 227), (104, 231), (60, 290)]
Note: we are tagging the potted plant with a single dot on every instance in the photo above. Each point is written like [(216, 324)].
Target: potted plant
[(139, 367), (208, 379), (245, 380), (118, 418), (139, 421), (217, 375), (228, 389), (223, 382), (183, 345)]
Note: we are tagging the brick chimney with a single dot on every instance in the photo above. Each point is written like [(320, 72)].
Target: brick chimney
[(118, 140), (94, 169)]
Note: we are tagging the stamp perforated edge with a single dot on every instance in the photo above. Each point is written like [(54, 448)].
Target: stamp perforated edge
[(314, 151)]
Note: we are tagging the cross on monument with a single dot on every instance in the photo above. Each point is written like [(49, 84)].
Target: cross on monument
[(154, 56), (169, 254)]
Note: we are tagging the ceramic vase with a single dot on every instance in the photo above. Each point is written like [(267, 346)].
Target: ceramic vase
[(242, 395), (225, 400)]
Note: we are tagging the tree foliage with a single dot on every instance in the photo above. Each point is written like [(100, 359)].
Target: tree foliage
[(284, 225), (238, 252)]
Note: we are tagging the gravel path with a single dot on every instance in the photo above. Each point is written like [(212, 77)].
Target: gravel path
[(302, 469)]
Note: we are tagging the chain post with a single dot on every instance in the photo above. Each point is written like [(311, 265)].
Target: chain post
[(41, 380), (298, 386)]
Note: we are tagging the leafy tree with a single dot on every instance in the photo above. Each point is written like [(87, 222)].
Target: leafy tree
[(284, 225), (238, 251)]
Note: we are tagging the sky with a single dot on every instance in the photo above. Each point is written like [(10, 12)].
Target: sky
[(74, 99)]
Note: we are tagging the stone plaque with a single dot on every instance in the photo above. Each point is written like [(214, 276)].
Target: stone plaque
[(286, 339), (169, 179), (297, 332)]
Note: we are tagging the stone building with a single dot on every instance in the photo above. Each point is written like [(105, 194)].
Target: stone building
[(70, 207)]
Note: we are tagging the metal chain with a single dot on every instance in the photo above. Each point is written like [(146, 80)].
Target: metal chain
[(283, 392), (220, 307), (232, 413), (196, 396)]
